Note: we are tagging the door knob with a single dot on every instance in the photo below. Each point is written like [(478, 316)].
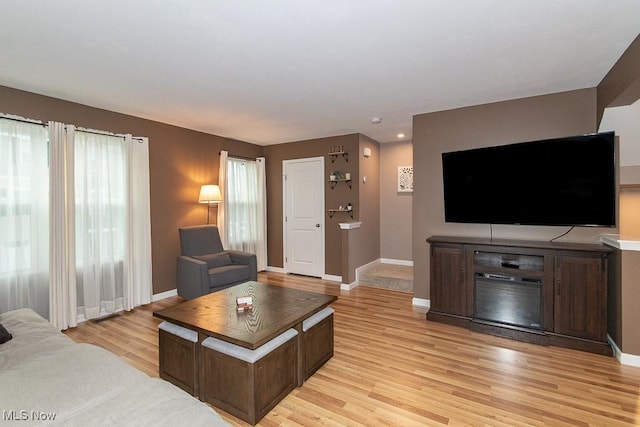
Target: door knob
[(318, 225)]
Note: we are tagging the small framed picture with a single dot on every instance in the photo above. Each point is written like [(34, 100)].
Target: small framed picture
[(405, 179)]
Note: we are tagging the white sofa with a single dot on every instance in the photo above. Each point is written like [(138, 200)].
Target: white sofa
[(45, 374)]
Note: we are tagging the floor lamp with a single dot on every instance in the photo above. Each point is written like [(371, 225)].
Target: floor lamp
[(209, 194)]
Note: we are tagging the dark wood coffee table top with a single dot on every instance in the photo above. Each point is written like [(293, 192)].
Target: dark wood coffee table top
[(275, 309)]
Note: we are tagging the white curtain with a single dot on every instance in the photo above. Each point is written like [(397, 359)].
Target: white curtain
[(261, 241), (24, 217), (244, 207), (138, 286), (62, 292), (113, 255), (222, 206), (101, 223), (75, 230), (101, 231)]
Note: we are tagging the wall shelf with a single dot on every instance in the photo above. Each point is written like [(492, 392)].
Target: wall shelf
[(332, 212), (333, 182), (334, 155)]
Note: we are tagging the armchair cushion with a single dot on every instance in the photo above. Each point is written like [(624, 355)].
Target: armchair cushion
[(229, 274), (215, 260), (239, 257)]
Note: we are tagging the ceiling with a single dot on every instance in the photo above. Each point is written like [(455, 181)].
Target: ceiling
[(268, 72)]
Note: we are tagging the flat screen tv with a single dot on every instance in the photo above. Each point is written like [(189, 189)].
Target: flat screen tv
[(564, 181)]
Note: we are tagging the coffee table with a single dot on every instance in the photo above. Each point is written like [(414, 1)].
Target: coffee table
[(275, 310)]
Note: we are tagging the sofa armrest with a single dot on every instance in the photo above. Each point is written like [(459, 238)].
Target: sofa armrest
[(239, 257), (192, 277)]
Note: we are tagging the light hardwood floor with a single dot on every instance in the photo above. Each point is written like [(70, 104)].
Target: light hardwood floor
[(394, 368)]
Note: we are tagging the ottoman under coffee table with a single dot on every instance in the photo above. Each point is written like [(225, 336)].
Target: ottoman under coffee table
[(245, 362)]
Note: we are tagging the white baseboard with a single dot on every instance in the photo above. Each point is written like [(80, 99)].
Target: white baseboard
[(331, 277), (396, 262), (163, 295), (355, 283), (349, 286), (352, 285), (629, 360), (364, 267), (624, 358), (616, 351), (421, 302)]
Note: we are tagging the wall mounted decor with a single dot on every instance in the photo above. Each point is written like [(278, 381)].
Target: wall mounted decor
[(405, 179)]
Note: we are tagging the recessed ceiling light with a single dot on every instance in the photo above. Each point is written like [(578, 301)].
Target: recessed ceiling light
[(400, 135), (376, 120)]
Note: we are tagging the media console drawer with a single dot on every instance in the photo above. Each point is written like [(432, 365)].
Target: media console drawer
[(540, 292), (512, 261)]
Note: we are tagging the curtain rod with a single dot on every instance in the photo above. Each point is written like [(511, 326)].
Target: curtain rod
[(253, 159), (101, 132), (39, 123), (21, 119)]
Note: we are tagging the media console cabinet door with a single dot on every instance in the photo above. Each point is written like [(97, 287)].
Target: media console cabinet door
[(448, 282), (580, 308)]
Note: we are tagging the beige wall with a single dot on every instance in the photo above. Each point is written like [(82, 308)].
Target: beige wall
[(556, 115), (361, 245), (180, 161), (626, 316), (620, 89), (629, 297), (625, 122), (630, 213), (624, 292), (395, 208), (367, 245), (630, 175), (621, 85)]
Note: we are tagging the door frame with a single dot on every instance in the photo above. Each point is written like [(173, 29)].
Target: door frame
[(321, 212)]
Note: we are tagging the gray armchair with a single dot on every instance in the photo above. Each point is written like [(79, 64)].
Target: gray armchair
[(204, 266)]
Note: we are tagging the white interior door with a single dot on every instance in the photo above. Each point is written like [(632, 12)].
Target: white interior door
[(303, 191)]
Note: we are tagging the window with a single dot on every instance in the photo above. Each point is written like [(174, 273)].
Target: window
[(100, 191), (68, 202), (243, 201), (24, 214), (244, 206)]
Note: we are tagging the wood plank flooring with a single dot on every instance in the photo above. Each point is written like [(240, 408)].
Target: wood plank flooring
[(394, 368)]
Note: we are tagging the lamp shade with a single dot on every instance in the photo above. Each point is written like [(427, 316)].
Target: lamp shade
[(210, 194)]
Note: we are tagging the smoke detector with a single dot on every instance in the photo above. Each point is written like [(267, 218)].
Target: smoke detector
[(376, 120)]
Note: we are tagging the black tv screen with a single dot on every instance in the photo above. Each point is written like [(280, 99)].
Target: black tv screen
[(564, 181)]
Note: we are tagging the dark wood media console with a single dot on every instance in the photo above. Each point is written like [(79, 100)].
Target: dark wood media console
[(534, 291)]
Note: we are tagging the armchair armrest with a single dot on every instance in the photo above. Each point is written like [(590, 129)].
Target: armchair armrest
[(239, 257), (192, 277)]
